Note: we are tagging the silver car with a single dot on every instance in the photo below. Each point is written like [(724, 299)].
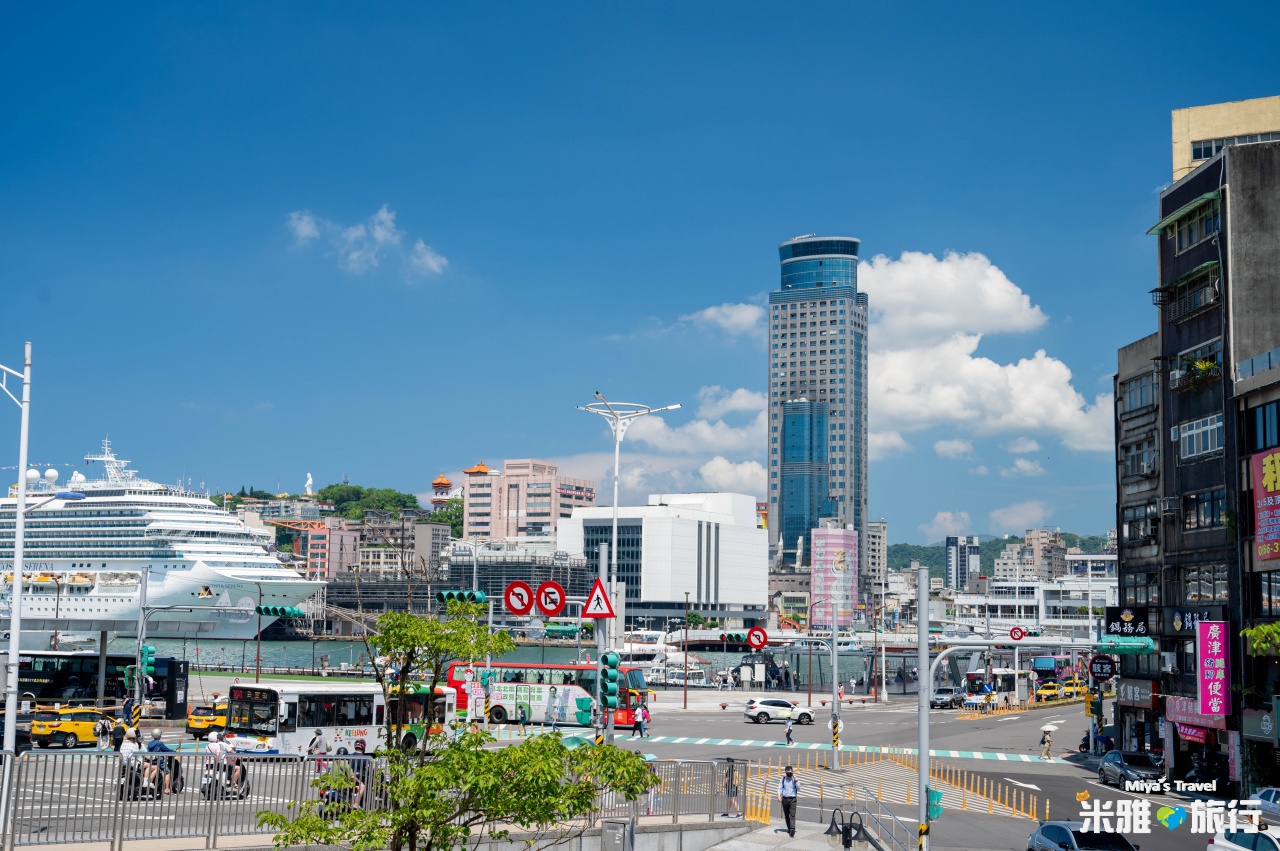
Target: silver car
[(1070, 836), (772, 709)]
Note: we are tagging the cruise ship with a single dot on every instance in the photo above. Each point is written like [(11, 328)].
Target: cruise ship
[(84, 560)]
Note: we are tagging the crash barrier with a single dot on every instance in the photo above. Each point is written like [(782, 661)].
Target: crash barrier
[(893, 835), (990, 710)]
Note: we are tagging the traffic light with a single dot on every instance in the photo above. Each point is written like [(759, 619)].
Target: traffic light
[(1095, 705), (464, 596), (734, 637), (609, 676), (147, 659), (280, 611), (131, 677)]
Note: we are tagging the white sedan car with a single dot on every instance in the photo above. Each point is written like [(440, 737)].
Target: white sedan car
[(764, 711), (1238, 840)]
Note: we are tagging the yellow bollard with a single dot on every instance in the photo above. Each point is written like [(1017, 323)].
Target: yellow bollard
[(879, 789), (908, 793), (1046, 809), (964, 800), (991, 805)]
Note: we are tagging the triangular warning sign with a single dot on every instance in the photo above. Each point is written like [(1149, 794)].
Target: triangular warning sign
[(598, 605)]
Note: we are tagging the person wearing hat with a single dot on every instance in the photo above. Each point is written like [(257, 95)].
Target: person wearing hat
[(159, 765), (788, 791), (129, 747)]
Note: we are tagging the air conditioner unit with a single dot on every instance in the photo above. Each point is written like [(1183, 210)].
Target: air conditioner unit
[(1168, 505), (1168, 665), (1146, 468)]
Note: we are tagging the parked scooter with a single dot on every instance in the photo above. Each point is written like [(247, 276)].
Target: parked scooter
[(1207, 768), (1105, 743)]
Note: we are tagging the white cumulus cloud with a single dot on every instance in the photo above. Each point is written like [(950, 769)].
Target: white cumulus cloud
[(953, 448), (731, 318), (747, 477), (882, 444), (715, 402), (1019, 517), (1023, 467), (946, 523), (1022, 446), (362, 247)]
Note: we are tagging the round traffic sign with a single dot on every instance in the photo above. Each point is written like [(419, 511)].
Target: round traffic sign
[(550, 598), (757, 638), (518, 598), (835, 726), (1017, 633), (1102, 667)]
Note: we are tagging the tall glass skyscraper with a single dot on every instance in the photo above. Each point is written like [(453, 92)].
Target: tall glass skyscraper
[(817, 392)]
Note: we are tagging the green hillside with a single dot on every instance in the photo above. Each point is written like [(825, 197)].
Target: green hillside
[(935, 556)]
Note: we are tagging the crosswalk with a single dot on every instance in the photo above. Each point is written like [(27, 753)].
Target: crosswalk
[(822, 746)]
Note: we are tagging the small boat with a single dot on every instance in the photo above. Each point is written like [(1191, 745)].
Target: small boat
[(80, 579), (119, 579)]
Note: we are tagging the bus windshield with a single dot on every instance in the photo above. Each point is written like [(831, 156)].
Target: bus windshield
[(252, 711)]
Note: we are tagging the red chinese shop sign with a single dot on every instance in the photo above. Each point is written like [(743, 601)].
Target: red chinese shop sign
[(1213, 694), (1266, 505), (1182, 710)]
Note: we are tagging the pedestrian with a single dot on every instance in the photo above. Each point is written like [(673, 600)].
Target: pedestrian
[(788, 791), (102, 729), (523, 718), (790, 727), (128, 711), (853, 684), (841, 691), (1046, 745), (637, 726), (644, 722), (731, 791), (117, 735)]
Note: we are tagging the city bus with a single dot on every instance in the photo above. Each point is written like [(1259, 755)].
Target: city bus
[(549, 692), (50, 678), (282, 717), (415, 725), (1007, 686)]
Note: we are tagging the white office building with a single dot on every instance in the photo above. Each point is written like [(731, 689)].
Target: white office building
[(706, 544)]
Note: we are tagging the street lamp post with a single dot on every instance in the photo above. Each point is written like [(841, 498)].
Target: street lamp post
[(808, 625), (15, 592), (619, 415), (686, 649)]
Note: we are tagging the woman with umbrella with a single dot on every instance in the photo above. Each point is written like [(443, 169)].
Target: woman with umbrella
[(1046, 741)]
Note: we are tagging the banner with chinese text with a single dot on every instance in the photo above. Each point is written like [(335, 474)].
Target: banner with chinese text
[(1213, 689), (1266, 505)]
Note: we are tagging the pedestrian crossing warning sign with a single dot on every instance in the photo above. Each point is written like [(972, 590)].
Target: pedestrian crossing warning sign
[(598, 604)]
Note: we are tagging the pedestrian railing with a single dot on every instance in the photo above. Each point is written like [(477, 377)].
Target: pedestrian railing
[(91, 797)]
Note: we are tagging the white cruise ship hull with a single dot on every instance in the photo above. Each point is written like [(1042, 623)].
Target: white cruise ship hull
[(85, 560)]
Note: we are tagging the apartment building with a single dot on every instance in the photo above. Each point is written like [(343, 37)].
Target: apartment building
[(526, 500)]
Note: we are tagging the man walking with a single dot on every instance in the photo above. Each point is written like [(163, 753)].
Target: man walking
[(1046, 743), (790, 726), (523, 717), (788, 791)]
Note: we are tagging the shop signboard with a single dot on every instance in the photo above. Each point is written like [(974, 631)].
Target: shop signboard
[(1183, 619), (1233, 755), (1127, 620), (1260, 724), (1185, 710), (1266, 505), (1213, 687), (1189, 733), (1139, 693)]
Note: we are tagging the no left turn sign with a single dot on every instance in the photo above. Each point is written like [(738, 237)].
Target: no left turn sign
[(518, 598)]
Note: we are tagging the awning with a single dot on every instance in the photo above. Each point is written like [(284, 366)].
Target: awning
[(1125, 646), (1208, 264), (1184, 209)]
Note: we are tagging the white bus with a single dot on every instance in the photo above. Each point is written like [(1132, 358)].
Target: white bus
[(282, 717)]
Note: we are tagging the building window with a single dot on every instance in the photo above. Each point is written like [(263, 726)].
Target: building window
[(1140, 458), (1138, 392), (1138, 524), (1205, 585), (1195, 227), (1269, 594), (1262, 427), (1206, 148), (1198, 437), (1204, 510)]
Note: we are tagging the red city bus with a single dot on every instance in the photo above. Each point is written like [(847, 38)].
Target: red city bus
[(550, 693)]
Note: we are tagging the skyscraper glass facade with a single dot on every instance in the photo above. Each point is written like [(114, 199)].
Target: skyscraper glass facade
[(818, 355), (806, 475)]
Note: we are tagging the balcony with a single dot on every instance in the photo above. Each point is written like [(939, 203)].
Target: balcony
[(1195, 374)]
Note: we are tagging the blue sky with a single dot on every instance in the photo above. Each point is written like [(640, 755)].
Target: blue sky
[(256, 241)]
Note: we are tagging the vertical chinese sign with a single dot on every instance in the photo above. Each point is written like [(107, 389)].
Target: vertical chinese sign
[(1266, 505), (1212, 686), (835, 576)]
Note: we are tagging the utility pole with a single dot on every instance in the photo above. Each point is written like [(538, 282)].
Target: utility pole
[(686, 649), (924, 687)]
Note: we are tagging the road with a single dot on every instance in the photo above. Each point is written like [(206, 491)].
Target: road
[(1002, 750)]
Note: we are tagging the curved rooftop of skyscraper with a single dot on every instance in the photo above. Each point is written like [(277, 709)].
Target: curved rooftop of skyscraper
[(812, 245)]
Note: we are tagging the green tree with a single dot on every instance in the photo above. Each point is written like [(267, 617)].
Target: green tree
[(696, 620), (451, 513), (458, 786), (352, 501)]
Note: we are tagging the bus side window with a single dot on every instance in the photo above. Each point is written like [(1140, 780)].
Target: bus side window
[(379, 716), (289, 723)]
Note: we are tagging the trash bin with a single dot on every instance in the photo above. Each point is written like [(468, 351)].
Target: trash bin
[(935, 803), (617, 835)]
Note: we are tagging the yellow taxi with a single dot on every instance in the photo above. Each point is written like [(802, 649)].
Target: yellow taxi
[(66, 728), (205, 718), (1048, 690), (1074, 687)]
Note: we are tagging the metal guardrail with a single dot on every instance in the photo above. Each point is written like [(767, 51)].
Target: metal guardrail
[(90, 797), (881, 821)]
